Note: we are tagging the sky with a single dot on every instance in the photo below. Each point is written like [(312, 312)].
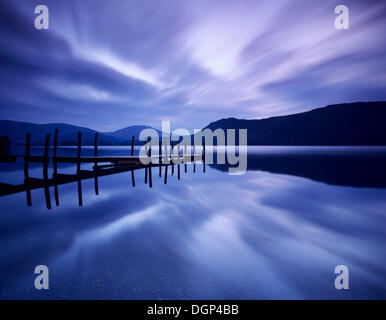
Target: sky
[(110, 64)]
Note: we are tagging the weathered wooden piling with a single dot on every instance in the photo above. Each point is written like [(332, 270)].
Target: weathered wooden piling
[(149, 165), (146, 173), (178, 165), (160, 157), (132, 145)]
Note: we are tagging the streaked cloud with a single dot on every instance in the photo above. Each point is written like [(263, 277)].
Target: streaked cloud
[(131, 62)]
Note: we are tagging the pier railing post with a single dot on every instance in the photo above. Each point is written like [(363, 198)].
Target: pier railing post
[(160, 157), (132, 145), (150, 176), (178, 165)]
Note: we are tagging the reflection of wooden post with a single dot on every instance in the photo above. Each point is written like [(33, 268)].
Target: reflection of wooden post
[(46, 158), (80, 197), (160, 157), (132, 178), (186, 157), (194, 158), (47, 196), (132, 154), (203, 156), (26, 157), (55, 152), (56, 191), (79, 152), (166, 174), (178, 166), (96, 185)]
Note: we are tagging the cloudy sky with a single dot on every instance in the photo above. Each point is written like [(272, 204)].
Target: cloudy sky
[(109, 64)]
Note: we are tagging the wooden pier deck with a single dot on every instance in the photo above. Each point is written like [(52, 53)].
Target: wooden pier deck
[(103, 166)]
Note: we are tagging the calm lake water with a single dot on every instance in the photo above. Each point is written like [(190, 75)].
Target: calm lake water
[(276, 232)]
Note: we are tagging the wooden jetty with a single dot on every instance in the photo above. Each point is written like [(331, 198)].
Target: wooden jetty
[(102, 166)]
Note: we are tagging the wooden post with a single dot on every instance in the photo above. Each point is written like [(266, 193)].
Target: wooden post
[(132, 145), (150, 176), (46, 157), (166, 156), (146, 165), (55, 153), (26, 157), (178, 166), (160, 157), (79, 152)]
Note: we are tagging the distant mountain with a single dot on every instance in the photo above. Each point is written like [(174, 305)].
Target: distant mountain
[(361, 123), (128, 132), (68, 134)]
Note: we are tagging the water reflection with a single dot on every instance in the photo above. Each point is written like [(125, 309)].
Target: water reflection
[(255, 236), (343, 166)]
